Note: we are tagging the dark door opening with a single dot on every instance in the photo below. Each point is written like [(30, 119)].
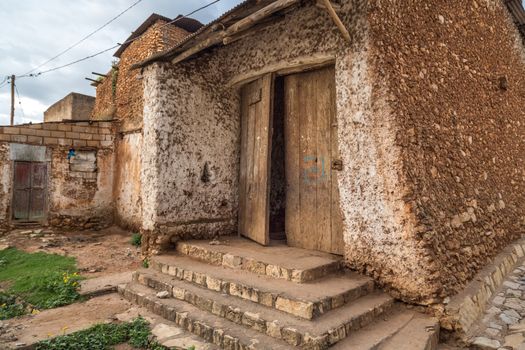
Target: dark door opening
[(29, 191), (277, 169)]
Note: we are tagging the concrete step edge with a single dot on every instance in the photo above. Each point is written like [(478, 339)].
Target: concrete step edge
[(304, 308), (215, 330), (258, 267), (329, 329)]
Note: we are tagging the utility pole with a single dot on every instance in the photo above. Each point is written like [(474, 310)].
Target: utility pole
[(13, 77)]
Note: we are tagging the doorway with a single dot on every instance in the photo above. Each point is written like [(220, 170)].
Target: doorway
[(290, 161), (29, 191)]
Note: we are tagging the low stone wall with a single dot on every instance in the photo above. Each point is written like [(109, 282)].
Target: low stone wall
[(79, 191), (465, 308), (77, 134)]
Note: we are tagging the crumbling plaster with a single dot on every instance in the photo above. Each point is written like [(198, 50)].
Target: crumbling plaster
[(127, 188), (5, 184), (76, 201)]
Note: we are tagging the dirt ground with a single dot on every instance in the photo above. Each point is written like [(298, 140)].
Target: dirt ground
[(98, 253), (104, 258)]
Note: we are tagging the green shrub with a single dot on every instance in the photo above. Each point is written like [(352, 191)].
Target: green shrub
[(10, 307), (136, 239), (62, 289), (145, 263), (104, 336)]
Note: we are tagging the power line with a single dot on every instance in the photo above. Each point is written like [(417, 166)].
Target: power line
[(4, 82), (84, 38), (19, 101), (117, 45)]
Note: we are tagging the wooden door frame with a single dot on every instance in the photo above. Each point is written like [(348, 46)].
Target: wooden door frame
[(295, 66), (44, 219)]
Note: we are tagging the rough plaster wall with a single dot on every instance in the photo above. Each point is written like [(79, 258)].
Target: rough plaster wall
[(75, 201), (193, 116), (182, 140), (460, 129), (5, 184), (378, 225), (127, 189)]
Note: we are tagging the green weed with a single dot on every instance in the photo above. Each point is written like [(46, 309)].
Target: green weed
[(136, 239), (104, 336), (10, 307)]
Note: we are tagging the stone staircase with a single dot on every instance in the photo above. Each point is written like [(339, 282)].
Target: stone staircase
[(239, 295)]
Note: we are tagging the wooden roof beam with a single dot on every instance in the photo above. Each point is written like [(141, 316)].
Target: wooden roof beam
[(241, 25), (336, 19)]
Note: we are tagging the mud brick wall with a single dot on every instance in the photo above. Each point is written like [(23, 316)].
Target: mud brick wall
[(455, 75), (129, 91), (78, 197)]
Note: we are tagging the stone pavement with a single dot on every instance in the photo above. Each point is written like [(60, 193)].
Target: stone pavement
[(503, 325)]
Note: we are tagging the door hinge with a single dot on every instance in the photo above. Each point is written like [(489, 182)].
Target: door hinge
[(337, 164)]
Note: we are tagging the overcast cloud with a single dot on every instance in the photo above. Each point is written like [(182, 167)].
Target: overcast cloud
[(35, 30)]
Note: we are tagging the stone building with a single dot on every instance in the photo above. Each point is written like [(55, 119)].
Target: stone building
[(74, 106), (382, 136), (80, 169), (392, 138), (59, 173)]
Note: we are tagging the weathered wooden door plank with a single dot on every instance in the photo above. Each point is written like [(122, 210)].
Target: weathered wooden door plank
[(255, 159)]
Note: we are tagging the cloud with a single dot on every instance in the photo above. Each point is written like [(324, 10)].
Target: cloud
[(35, 31)]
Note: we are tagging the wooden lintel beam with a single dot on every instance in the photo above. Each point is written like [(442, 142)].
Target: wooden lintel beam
[(99, 74), (296, 65), (337, 20), (241, 25)]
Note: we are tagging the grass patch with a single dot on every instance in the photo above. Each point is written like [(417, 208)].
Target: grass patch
[(104, 336), (136, 239), (42, 280)]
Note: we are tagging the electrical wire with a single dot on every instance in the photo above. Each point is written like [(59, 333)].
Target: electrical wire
[(83, 39), (117, 45), (19, 101)]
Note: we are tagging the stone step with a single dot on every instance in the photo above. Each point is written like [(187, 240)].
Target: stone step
[(213, 329), (326, 330), (277, 261), (401, 329), (421, 333), (308, 301)]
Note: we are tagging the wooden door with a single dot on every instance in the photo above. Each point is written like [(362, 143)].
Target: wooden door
[(313, 218), (29, 189), (256, 128)]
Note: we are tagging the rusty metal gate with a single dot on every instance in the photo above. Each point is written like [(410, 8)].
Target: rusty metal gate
[(29, 191)]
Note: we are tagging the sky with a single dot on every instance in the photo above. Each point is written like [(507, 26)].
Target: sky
[(35, 30)]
